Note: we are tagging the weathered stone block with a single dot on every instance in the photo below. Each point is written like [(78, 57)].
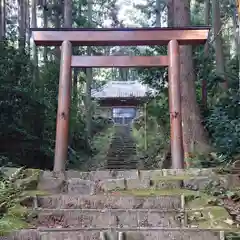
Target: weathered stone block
[(130, 174), (137, 183), (145, 174), (173, 172), (188, 172), (51, 185), (113, 184), (80, 186), (76, 218), (198, 183), (78, 174), (154, 218), (100, 175), (184, 234), (160, 202), (232, 180), (156, 174), (73, 235), (28, 234), (168, 184)]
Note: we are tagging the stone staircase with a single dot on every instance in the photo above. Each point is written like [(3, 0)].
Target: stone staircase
[(121, 205), (122, 151)]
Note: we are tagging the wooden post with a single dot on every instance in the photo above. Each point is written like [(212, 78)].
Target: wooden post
[(175, 105), (64, 100)]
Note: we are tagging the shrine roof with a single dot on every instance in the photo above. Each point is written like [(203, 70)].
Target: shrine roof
[(122, 89)]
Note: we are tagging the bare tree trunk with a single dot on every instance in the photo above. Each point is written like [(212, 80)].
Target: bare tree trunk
[(158, 13), (88, 102), (22, 23), (28, 22), (170, 7), (238, 38), (218, 42), (57, 23), (194, 135), (76, 70), (34, 48), (45, 25), (2, 19), (235, 26), (67, 14), (206, 50)]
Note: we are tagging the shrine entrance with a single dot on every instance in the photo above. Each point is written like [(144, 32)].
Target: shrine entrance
[(66, 38)]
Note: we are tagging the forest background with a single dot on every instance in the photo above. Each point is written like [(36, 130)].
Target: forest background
[(29, 77)]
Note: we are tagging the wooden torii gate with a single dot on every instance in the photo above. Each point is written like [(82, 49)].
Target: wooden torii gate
[(66, 38)]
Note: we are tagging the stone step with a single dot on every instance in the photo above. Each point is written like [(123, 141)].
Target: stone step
[(120, 162), (86, 187), (111, 218), (120, 151), (118, 234), (79, 186), (151, 174), (63, 201), (105, 181), (121, 167)]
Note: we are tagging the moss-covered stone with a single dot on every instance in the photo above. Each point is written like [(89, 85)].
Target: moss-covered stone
[(159, 192), (30, 182), (210, 217), (10, 224)]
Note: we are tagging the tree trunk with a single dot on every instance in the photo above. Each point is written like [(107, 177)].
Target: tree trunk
[(76, 71), (57, 23), (206, 50), (88, 102), (158, 13), (45, 25), (34, 48), (2, 19), (67, 14), (235, 26), (22, 23), (194, 135), (170, 7), (218, 42), (28, 23), (238, 38)]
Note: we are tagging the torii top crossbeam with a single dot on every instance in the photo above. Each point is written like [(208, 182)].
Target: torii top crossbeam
[(119, 36)]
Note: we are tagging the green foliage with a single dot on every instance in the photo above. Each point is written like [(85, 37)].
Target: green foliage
[(223, 123), (21, 113), (28, 113), (101, 144), (151, 132), (13, 216)]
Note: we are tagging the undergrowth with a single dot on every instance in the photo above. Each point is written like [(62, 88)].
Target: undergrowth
[(13, 191)]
